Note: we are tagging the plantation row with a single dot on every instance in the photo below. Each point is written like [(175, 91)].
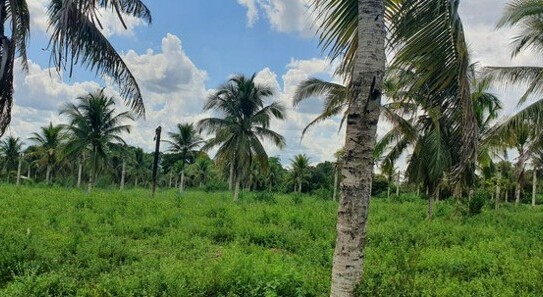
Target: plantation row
[(61, 242)]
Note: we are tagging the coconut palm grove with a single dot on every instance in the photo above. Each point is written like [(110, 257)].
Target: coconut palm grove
[(400, 155)]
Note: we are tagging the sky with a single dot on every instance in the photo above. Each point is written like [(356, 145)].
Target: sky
[(194, 46)]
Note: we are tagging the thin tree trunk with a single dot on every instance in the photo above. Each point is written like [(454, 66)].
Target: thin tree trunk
[(362, 118), (517, 193), (28, 173), (79, 173), (136, 182), (430, 207), (89, 187), (170, 183), (182, 182), (123, 173), (48, 174), (497, 202), (236, 190), (300, 187), (418, 190), (176, 182), (438, 193), (388, 190), (398, 185), (231, 176), (19, 171), (336, 177), (534, 186), (470, 195)]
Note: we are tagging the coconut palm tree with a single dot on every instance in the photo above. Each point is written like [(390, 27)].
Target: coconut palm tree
[(139, 166), (415, 28), (526, 16), (355, 30), (300, 167), (75, 38), (185, 141), (245, 122), (10, 152), (93, 127), (48, 147)]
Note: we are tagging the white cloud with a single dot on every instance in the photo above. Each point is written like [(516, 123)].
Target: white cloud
[(172, 86), (252, 11), (288, 16)]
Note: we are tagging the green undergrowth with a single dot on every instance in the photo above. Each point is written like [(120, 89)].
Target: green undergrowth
[(62, 242)]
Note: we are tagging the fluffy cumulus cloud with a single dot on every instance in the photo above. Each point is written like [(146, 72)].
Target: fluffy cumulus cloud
[(283, 15), (172, 86), (173, 89), (319, 143)]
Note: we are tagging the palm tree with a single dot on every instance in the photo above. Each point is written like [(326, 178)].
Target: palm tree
[(245, 122), (526, 16), (49, 146), (140, 166), (441, 75), (339, 155), (10, 151), (93, 127), (356, 31), (185, 141), (300, 166), (76, 38)]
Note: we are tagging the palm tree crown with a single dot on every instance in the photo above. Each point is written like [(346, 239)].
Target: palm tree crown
[(76, 38), (244, 123), (48, 146), (94, 126)]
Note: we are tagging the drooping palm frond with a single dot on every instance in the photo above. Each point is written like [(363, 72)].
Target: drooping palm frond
[(76, 39), (427, 39)]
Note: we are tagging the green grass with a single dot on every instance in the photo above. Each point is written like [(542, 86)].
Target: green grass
[(58, 242)]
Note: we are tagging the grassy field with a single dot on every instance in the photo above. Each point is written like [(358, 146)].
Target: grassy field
[(58, 242)]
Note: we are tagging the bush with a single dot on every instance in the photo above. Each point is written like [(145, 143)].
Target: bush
[(215, 186), (264, 197), (478, 201), (323, 194)]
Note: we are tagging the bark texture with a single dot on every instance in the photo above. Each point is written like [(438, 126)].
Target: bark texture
[(362, 118), (534, 186), (123, 173)]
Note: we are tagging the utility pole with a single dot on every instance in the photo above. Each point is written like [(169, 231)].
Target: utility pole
[(155, 163)]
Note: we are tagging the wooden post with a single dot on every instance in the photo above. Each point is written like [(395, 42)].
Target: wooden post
[(155, 163)]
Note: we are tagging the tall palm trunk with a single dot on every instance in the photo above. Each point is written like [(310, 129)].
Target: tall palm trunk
[(79, 173), (48, 174), (362, 118), (28, 173), (136, 182), (430, 213), (498, 179), (534, 186), (89, 187), (236, 189), (336, 177), (398, 185), (19, 170), (123, 173), (517, 193), (231, 176), (182, 182), (300, 187)]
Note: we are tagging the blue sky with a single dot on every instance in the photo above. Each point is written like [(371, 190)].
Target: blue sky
[(193, 46)]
